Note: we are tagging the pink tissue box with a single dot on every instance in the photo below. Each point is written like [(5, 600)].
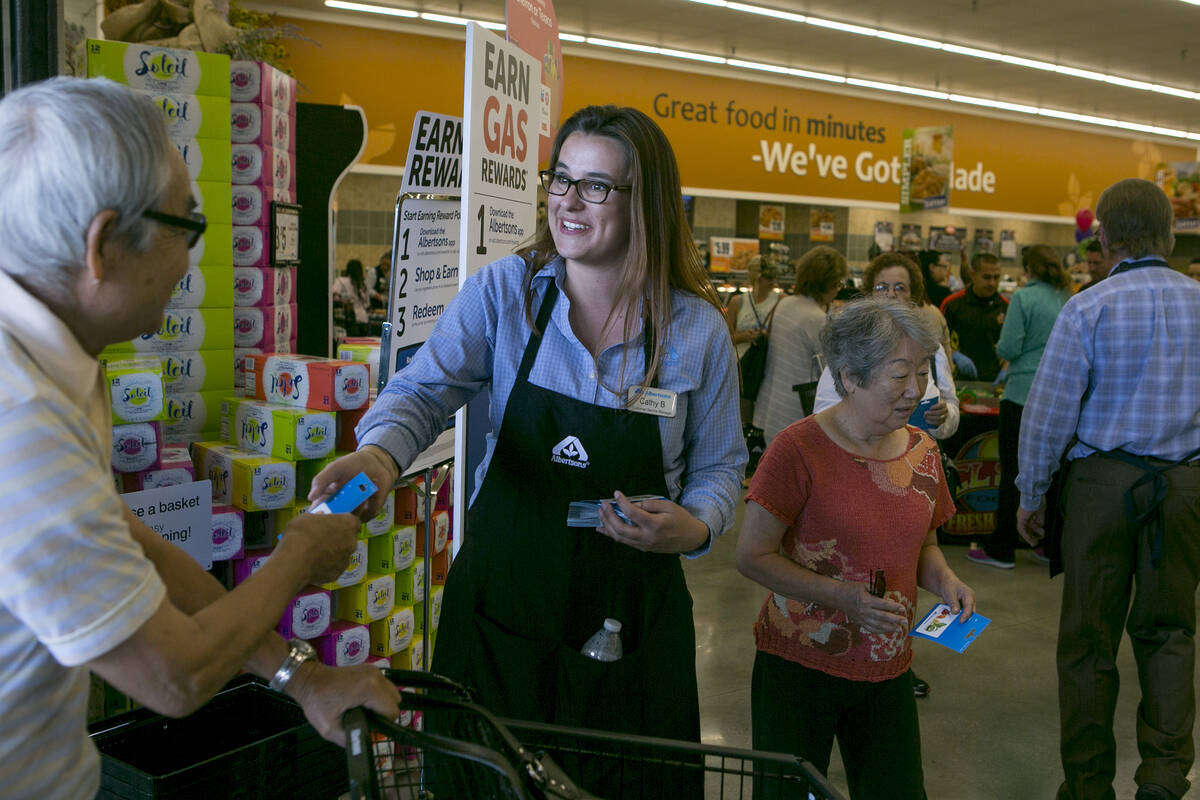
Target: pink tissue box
[(229, 533), (308, 616), (137, 447), (260, 83), (249, 564), (270, 328), (345, 645), (264, 286), (272, 170), (175, 467), (265, 126)]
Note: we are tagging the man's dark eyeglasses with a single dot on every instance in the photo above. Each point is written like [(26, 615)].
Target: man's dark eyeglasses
[(590, 190), (194, 223)]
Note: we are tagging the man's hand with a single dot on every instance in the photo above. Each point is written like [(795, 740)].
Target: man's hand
[(379, 466), (1032, 524), (325, 693), (324, 542), (659, 526)]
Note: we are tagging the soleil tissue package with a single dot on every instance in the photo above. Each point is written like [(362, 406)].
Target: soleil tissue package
[(174, 468), (190, 116), (239, 365), (136, 389), (394, 632), (262, 483), (308, 616), (270, 328), (183, 329), (197, 371), (356, 570), (347, 422), (274, 430), (393, 551), (410, 583), (347, 644), (364, 349), (369, 600), (228, 533), (264, 286), (203, 287), (159, 69), (190, 413), (382, 522), (250, 563), (306, 381), (213, 461), (439, 533), (215, 246), (206, 159), (137, 447), (251, 246), (410, 658), (260, 83)]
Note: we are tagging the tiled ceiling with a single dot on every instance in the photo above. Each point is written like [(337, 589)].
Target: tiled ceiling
[(1148, 40)]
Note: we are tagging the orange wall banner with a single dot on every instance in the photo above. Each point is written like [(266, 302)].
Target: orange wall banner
[(736, 135)]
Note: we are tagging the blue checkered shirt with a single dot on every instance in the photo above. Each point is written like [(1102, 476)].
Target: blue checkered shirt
[(1121, 370)]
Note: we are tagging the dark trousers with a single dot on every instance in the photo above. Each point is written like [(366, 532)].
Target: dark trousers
[(1111, 583), (1002, 544), (799, 711)]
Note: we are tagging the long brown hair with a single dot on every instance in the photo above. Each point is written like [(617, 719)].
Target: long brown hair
[(1044, 264), (661, 254)]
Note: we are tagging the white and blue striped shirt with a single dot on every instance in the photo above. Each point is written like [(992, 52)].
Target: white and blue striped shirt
[(73, 582), (479, 342)]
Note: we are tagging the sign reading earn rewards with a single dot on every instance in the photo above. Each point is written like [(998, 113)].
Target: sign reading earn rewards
[(180, 514), (501, 118)]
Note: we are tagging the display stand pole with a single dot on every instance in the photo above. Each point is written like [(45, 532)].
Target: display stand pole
[(434, 478)]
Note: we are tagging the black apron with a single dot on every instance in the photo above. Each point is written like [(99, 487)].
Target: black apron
[(526, 591)]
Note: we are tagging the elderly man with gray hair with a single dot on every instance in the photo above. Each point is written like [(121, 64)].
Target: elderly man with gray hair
[(1118, 391), (96, 219)]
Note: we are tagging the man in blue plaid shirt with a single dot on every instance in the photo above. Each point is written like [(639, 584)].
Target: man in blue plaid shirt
[(1118, 391)]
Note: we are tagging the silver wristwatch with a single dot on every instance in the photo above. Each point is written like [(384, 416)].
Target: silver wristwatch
[(299, 651)]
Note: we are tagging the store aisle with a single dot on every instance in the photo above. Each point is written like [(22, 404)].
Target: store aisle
[(989, 727)]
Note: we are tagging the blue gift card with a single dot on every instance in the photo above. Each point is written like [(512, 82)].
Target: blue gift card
[(356, 492), (917, 418), (942, 625)]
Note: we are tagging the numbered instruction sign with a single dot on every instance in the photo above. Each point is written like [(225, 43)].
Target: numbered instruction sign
[(426, 274)]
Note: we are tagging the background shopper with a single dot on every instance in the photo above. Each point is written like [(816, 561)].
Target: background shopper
[(832, 658), (1027, 326), (615, 297), (975, 316), (748, 312), (792, 357)]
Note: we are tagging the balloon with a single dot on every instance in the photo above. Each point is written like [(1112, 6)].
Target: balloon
[(1084, 218)]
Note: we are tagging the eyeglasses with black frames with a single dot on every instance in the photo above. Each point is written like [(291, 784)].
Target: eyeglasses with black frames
[(194, 223), (886, 288), (590, 190)]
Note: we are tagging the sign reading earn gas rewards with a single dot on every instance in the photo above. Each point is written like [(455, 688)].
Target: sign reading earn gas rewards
[(501, 117)]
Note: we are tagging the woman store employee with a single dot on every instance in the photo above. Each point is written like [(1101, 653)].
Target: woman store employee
[(611, 298)]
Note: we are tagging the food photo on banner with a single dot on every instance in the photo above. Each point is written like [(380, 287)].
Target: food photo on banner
[(1181, 182), (771, 222), (926, 166)]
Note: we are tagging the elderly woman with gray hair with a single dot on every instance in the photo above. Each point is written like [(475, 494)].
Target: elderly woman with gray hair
[(833, 655)]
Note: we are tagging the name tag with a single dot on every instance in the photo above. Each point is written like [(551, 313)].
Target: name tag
[(659, 402)]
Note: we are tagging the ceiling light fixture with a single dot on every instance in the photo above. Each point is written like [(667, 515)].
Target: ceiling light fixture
[(891, 88), (933, 44), (371, 8)]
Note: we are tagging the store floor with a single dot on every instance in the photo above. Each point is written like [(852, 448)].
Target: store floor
[(989, 727)]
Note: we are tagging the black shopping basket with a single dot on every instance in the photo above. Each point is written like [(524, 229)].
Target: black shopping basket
[(449, 747)]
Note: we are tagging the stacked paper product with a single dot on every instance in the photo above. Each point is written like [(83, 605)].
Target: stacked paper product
[(195, 340)]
